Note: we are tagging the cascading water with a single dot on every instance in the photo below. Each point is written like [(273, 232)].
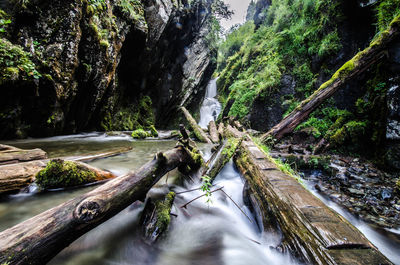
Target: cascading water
[(210, 107), (219, 232)]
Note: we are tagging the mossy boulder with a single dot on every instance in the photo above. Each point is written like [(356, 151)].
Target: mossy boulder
[(62, 174), (140, 134)]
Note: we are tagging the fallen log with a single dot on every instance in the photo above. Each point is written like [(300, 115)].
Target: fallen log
[(11, 154), (223, 156), (212, 130), (40, 238), (357, 65), (313, 233), (198, 132)]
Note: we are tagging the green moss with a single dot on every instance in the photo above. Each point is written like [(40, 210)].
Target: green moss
[(104, 43), (15, 63), (153, 131), (197, 157), (163, 210), (62, 174), (386, 11), (140, 134), (132, 117)]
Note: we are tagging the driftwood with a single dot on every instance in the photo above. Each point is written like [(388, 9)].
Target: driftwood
[(17, 176), (198, 132), (357, 65), (11, 155), (212, 130), (40, 238)]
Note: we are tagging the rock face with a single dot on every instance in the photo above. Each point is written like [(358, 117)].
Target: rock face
[(91, 61), (257, 11)]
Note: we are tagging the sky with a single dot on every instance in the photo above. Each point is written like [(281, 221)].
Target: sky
[(240, 9)]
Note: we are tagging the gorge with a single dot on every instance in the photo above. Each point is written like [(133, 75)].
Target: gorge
[(168, 137)]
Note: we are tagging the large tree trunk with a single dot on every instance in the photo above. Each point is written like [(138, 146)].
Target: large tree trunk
[(40, 238), (357, 65), (200, 134)]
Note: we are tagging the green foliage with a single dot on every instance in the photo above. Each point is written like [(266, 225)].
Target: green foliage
[(15, 63), (95, 6), (322, 120), (386, 11), (5, 20), (62, 174), (293, 33), (133, 9), (206, 187), (132, 117)]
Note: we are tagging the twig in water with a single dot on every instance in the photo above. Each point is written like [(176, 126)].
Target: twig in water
[(252, 240), (236, 205), (166, 180), (186, 191), (186, 204)]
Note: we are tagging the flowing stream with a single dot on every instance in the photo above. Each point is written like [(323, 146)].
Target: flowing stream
[(211, 108), (221, 232)]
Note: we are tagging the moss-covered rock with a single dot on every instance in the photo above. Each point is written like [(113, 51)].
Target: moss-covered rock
[(140, 134), (62, 174)]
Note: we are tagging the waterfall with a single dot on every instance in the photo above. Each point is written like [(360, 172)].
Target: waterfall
[(210, 108)]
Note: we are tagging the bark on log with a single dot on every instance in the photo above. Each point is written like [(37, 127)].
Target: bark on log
[(357, 65), (312, 231), (11, 155), (233, 132), (40, 238), (221, 129), (198, 132), (212, 130)]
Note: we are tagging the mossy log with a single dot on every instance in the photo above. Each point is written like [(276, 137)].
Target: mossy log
[(233, 132), (314, 233), (223, 156), (357, 65), (212, 130), (156, 216), (198, 132), (40, 238), (11, 155)]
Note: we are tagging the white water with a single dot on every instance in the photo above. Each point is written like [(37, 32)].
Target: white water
[(210, 108), (218, 233)]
